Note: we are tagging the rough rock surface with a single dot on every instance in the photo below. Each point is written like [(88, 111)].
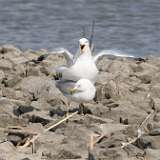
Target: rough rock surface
[(128, 90)]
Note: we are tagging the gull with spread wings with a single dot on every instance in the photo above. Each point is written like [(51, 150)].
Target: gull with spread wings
[(83, 64)]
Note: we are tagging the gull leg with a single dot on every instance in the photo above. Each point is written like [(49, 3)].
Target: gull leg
[(81, 108), (67, 112), (68, 106)]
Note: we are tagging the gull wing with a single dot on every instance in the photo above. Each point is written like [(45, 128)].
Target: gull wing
[(76, 56), (65, 86), (68, 56), (111, 53), (67, 73)]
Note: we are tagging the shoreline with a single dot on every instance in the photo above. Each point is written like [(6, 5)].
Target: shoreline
[(128, 90)]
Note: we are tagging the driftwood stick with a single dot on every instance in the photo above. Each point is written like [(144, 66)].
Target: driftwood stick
[(146, 119), (91, 147), (124, 144), (31, 141)]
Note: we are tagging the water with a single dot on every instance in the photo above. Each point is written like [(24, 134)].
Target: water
[(131, 26)]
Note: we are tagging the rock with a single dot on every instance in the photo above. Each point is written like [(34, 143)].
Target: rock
[(155, 78), (16, 95), (113, 154), (103, 64), (34, 71), (38, 117), (134, 152), (11, 80), (156, 103), (36, 128), (20, 69), (39, 87), (155, 132), (26, 159), (153, 60), (41, 104), (58, 60), (5, 65), (152, 154), (120, 68), (111, 90), (144, 143), (7, 106), (149, 142), (65, 154), (136, 67), (2, 76), (30, 54), (49, 146), (15, 139), (155, 90), (58, 112), (127, 91), (145, 78), (6, 147), (116, 90), (21, 60), (10, 49), (108, 129), (23, 109)]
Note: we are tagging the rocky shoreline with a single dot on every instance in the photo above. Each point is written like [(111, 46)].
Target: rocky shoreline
[(128, 92)]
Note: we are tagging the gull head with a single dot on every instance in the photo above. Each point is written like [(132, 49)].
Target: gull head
[(83, 85), (84, 44)]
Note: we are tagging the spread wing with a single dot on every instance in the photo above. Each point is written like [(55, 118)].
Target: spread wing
[(111, 53), (68, 56)]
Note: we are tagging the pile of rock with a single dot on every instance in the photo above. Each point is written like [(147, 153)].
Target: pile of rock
[(128, 90)]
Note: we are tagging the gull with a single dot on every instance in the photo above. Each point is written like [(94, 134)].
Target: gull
[(83, 64), (81, 91), (84, 42)]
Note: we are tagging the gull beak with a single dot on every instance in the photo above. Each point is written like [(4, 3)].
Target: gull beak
[(74, 90), (82, 46)]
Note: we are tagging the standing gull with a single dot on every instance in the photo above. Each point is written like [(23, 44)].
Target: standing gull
[(81, 91)]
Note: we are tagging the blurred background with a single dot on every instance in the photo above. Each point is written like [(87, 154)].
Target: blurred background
[(131, 26)]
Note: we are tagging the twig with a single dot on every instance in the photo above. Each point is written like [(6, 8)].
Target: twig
[(100, 138), (124, 144), (91, 36), (31, 141), (142, 124), (61, 121), (90, 149), (91, 142)]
